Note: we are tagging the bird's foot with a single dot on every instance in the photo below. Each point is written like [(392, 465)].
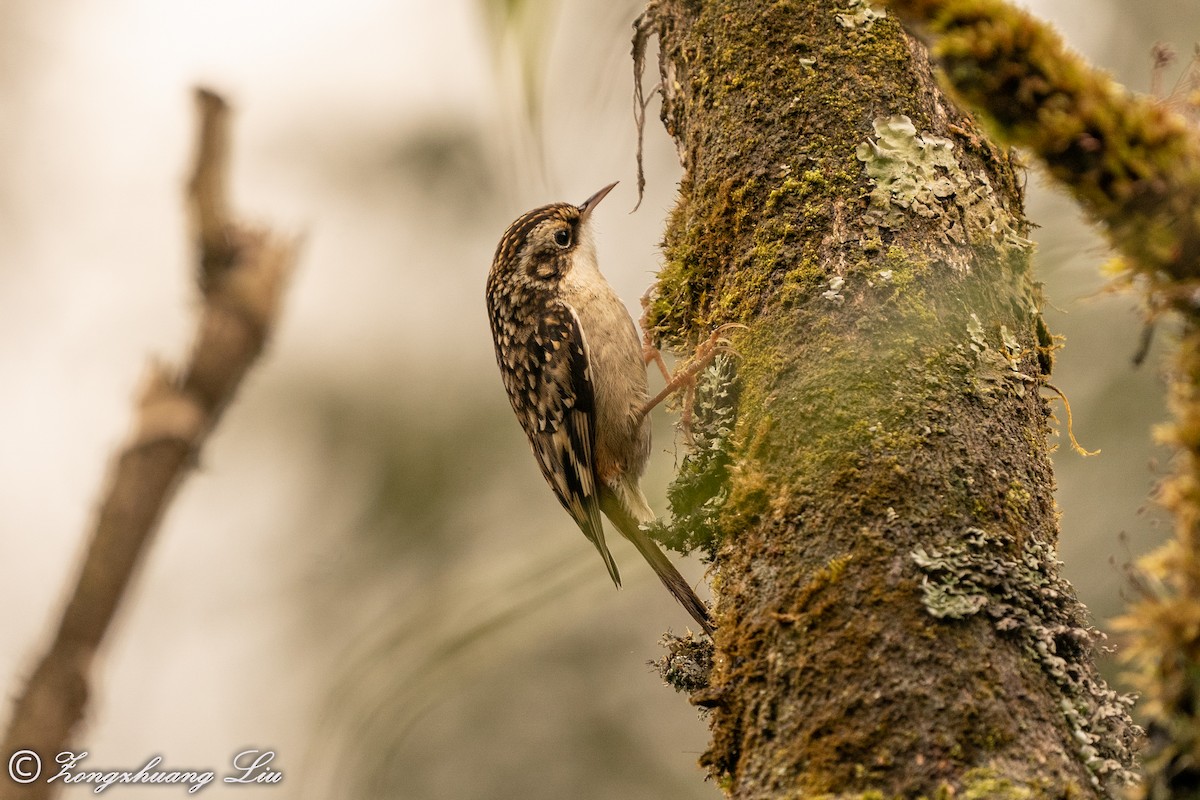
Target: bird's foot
[(684, 378)]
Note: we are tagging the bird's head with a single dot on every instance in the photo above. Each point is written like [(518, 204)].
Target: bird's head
[(544, 244)]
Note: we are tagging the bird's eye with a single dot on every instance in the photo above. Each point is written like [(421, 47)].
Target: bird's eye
[(562, 237)]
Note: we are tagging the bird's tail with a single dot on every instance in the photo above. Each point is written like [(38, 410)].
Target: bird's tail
[(613, 572), (627, 508)]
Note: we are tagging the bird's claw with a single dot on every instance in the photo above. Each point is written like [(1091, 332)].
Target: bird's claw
[(684, 378)]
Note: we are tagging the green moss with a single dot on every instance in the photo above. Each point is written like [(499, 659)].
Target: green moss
[(814, 181), (1046, 345), (986, 784), (801, 281), (829, 575), (738, 196), (700, 489), (791, 190), (902, 269), (847, 410), (1016, 502), (789, 185)]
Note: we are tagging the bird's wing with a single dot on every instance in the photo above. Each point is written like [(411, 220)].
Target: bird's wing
[(560, 420)]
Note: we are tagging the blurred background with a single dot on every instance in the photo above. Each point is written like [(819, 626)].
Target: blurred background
[(368, 575)]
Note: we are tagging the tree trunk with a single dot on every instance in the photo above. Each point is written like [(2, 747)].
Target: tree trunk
[(1133, 164), (891, 617)]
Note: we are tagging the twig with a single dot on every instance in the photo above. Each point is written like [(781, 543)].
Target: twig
[(242, 273)]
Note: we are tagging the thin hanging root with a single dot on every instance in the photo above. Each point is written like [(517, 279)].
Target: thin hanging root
[(1070, 428), (643, 29)]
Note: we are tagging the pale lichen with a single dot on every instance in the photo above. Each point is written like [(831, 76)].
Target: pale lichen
[(995, 368), (918, 174), (834, 293), (687, 663), (1020, 590), (700, 488), (860, 14)]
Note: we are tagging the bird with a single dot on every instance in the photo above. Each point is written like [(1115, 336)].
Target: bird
[(573, 367)]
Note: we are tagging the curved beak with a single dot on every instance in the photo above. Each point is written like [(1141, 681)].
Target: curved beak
[(587, 206)]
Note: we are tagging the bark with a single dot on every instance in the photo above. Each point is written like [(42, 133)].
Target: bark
[(891, 616), (1133, 164)]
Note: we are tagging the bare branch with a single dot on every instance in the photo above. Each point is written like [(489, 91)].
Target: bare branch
[(241, 274)]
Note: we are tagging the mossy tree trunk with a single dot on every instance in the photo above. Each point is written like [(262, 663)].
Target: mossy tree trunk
[(891, 615), (1133, 164)]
